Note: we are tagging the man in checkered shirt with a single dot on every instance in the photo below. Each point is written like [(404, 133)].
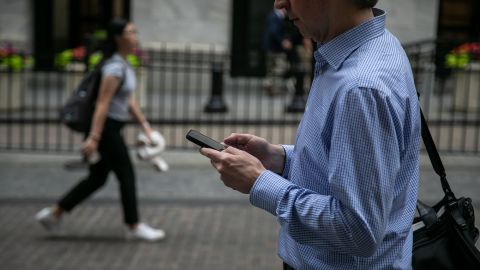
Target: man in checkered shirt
[(344, 194)]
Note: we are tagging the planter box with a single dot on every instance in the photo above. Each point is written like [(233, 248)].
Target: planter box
[(467, 88), (11, 90)]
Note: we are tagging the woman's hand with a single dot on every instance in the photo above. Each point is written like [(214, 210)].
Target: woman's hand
[(148, 132), (90, 146)]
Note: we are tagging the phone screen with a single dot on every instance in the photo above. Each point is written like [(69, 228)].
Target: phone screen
[(203, 140)]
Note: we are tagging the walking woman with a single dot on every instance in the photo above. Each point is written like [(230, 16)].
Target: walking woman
[(115, 104)]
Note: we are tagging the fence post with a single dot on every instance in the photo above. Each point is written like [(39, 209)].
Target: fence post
[(297, 104), (216, 103)]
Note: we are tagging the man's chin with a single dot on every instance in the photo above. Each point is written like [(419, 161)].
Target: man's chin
[(304, 33)]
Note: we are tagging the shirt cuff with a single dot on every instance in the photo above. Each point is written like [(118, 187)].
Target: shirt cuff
[(268, 190), (288, 157)]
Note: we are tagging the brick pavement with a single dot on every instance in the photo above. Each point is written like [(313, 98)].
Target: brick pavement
[(208, 226), (212, 235)]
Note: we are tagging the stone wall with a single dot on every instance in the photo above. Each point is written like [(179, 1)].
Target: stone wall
[(183, 21), (16, 22), (209, 21), (411, 20)]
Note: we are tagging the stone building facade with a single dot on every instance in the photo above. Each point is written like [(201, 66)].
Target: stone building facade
[(203, 21)]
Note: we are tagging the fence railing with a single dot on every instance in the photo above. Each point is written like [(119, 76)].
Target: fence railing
[(189, 88), (450, 97)]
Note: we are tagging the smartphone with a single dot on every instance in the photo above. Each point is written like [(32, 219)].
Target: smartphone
[(203, 140)]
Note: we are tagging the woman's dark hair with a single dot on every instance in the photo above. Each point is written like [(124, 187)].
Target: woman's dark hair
[(115, 28), (365, 3)]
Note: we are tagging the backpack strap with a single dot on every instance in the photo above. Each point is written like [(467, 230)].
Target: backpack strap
[(124, 69)]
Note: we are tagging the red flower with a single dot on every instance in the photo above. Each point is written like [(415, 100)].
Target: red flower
[(79, 53), (472, 49)]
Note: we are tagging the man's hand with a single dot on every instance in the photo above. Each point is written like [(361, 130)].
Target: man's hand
[(238, 169), (272, 156)]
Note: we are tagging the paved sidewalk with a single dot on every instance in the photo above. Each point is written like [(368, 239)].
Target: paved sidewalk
[(199, 236), (39, 177), (208, 226)]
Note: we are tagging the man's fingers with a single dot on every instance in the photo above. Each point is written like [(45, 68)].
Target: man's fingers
[(215, 164), (237, 139), (212, 154), (233, 151), (217, 156)]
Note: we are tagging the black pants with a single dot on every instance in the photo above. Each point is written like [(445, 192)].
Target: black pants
[(114, 157)]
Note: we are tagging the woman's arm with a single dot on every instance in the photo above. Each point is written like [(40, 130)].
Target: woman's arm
[(108, 86), (138, 115)]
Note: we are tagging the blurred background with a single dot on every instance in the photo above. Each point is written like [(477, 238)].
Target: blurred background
[(200, 65)]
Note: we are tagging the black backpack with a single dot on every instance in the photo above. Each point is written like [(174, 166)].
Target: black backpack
[(77, 113)]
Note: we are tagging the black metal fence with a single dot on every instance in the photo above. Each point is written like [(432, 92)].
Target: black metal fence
[(178, 89), (190, 87), (449, 94)]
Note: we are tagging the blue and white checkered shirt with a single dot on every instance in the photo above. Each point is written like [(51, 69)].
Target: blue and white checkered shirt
[(347, 196)]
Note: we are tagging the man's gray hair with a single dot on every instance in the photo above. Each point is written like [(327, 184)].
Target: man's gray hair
[(364, 3)]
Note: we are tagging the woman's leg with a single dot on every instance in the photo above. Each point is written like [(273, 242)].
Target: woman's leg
[(98, 172), (49, 217), (96, 179), (122, 167)]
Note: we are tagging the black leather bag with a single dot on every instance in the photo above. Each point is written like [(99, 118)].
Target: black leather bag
[(77, 112), (444, 235)]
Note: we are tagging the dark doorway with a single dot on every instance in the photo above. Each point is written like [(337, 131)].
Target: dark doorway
[(457, 20), (42, 34), (60, 24), (247, 56), (457, 23), (88, 16)]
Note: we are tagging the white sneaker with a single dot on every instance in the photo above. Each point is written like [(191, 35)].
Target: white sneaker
[(51, 223), (145, 232), (160, 164)]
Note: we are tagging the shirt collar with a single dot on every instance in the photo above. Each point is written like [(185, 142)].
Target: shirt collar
[(335, 51)]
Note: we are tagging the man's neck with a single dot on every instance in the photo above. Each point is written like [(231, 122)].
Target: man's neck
[(344, 19)]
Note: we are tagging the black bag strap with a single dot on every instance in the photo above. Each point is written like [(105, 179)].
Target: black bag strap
[(435, 159), (124, 76), (427, 214)]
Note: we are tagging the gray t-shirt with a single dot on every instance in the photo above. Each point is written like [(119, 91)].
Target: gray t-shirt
[(116, 66)]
